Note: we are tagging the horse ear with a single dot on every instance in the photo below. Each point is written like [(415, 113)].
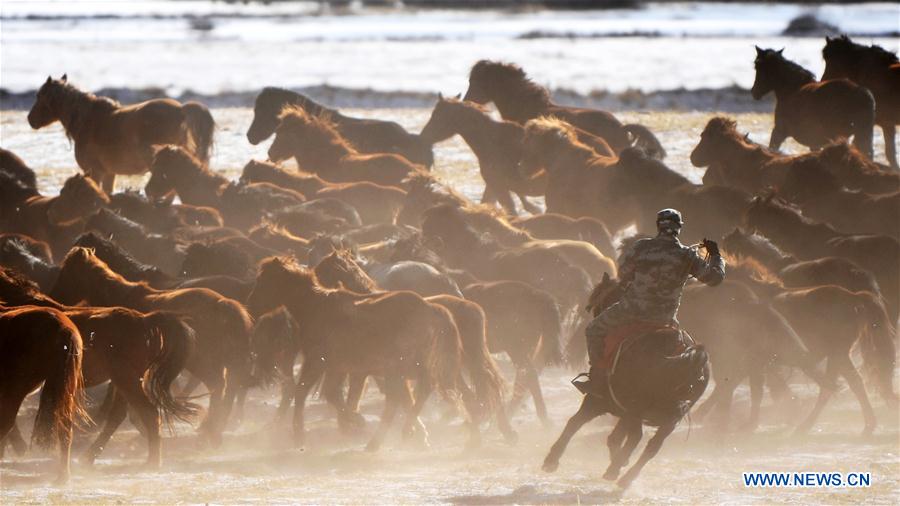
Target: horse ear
[(64, 78), (780, 51), (458, 96), (759, 51), (49, 79), (440, 95), (827, 39)]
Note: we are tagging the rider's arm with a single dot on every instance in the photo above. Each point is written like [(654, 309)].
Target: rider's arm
[(712, 272)]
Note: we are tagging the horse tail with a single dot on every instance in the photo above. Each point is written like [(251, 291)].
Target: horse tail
[(645, 139), (864, 124), (446, 351), (489, 384), (877, 346), (175, 341), (61, 405), (201, 125), (551, 332)]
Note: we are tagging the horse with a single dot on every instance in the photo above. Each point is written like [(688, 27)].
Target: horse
[(367, 135), (140, 354), (520, 99), (878, 70), (813, 113), (830, 320), (732, 159), (162, 251), (497, 145), (808, 240), (524, 323), (821, 196), (121, 261), (396, 335), (655, 381), (176, 170), (375, 203), (113, 139), (16, 253), (222, 326), (163, 217), (319, 148), (552, 226), (17, 168), (279, 239), (40, 345)]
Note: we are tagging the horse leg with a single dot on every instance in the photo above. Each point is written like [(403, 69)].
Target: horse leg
[(310, 373), (108, 183), (889, 131), (239, 401), (392, 392), (649, 452), (757, 379), (704, 408), (534, 384), (506, 201), (134, 395), (14, 438), (855, 382), (519, 383), (779, 135), (474, 413), (355, 391), (9, 408), (528, 205), (285, 364), (334, 394), (831, 371), (591, 407), (723, 406), (114, 418), (423, 392), (215, 384), (634, 432), (489, 196)]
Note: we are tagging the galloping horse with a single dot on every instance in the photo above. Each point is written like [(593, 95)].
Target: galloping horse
[(878, 70), (366, 135), (113, 139), (652, 382), (814, 113), (520, 99)]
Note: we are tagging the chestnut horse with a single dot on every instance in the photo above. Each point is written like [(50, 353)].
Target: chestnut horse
[(732, 159), (319, 148), (878, 70), (113, 139), (520, 99), (653, 382), (40, 345), (814, 113), (222, 325), (396, 335), (366, 135)]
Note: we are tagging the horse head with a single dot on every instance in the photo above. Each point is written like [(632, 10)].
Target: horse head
[(441, 125), (46, 102), (79, 198)]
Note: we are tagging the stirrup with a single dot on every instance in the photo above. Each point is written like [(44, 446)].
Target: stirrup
[(582, 386)]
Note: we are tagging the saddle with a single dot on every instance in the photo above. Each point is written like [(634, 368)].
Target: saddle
[(618, 336)]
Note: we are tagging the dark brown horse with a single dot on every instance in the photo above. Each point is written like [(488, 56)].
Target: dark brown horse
[(113, 139), (222, 325), (813, 113), (163, 217), (366, 135), (655, 381), (878, 70), (520, 99), (175, 170), (319, 148), (396, 335), (732, 159), (141, 354), (163, 251), (375, 203), (14, 166), (40, 345)]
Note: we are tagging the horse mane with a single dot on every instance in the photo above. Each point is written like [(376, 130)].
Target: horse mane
[(16, 288), (114, 254), (80, 180), (788, 70), (557, 130), (512, 79), (287, 267), (429, 184), (841, 152), (320, 126), (844, 47), (726, 128), (184, 162), (339, 268), (282, 97), (80, 106), (752, 271), (467, 105)]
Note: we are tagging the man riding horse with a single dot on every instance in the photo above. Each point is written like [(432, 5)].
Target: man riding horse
[(652, 275)]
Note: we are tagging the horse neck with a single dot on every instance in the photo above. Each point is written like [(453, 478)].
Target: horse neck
[(76, 114), (520, 108), (201, 187), (108, 290), (570, 157), (744, 153), (478, 129), (796, 235), (314, 156), (789, 82), (770, 257)]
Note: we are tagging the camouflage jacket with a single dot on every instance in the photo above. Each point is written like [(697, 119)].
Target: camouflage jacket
[(654, 271)]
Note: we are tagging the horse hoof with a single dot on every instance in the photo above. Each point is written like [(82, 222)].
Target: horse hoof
[(610, 475), (550, 466), (625, 481), (511, 437)]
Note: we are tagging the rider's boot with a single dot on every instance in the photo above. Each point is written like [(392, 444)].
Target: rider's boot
[(595, 383)]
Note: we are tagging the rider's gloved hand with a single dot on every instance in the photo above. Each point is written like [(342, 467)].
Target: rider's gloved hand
[(711, 247)]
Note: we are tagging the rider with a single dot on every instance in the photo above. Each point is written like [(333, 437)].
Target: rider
[(652, 274)]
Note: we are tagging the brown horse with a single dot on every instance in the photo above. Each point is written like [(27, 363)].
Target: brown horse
[(366, 135), (821, 196), (520, 99), (732, 159), (141, 354), (16, 167), (163, 217), (656, 380), (113, 139), (222, 325), (175, 170), (878, 70), (396, 335), (814, 113), (808, 240), (16, 252), (40, 345), (523, 322), (319, 148), (375, 203), (162, 251), (559, 226)]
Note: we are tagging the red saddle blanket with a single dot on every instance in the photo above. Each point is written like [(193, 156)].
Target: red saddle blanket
[(618, 335)]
